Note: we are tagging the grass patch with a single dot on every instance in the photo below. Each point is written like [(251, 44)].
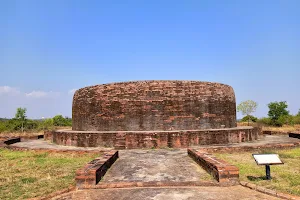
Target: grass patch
[(285, 178), (28, 174)]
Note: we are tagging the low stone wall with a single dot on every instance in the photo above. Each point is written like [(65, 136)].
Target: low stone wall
[(153, 139), (93, 172), (274, 132), (222, 171), (294, 135), (5, 141)]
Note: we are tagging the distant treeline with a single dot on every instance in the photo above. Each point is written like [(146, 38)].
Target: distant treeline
[(32, 125)]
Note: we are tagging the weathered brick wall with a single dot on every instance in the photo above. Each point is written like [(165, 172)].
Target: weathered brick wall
[(222, 171), (93, 172), (154, 105), (152, 139)]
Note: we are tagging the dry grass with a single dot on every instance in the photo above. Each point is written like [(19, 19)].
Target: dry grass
[(31, 174), (284, 128), (286, 178)]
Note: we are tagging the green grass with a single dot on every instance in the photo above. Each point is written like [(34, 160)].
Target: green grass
[(28, 174), (285, 178)]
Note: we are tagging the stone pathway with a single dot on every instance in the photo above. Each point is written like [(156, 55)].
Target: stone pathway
[(193, 193), (155, 165)]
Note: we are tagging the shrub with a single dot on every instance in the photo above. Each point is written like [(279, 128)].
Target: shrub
[(285, 120), (31, 124), (250, 117), (46, 124), (265, 121), (59, 120)]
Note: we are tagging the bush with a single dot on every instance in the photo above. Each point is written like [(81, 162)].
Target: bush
[(285, 120), (265, 121), (252, 118), (297, 119), (59, 120), (46, 124), (31, 124), (2, 126), (14, 125)]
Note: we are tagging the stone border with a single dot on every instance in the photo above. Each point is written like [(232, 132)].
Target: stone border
[(93, 172), (225, 173), (268, 191)]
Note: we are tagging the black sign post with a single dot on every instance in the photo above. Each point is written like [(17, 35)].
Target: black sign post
[(267, 160), (268, 172)]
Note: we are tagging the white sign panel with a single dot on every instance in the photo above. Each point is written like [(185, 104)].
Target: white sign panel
[(267, 159)]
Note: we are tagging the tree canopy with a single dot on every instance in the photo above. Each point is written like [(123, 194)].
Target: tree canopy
[(277, 110), (247, 107)]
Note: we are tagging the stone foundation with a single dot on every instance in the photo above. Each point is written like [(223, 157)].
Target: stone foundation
[(152, 139)]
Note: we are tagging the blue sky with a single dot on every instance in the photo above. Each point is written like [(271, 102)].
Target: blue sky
[(49, 48)]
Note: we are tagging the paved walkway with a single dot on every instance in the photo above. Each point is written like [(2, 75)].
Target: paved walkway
[(155, 165), (194, 193)]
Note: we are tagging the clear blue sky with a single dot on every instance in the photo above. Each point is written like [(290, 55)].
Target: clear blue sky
[(49, 48)]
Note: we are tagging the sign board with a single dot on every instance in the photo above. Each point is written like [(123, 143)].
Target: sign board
[(267, 159)]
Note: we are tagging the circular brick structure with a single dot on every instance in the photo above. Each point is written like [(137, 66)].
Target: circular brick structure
[(159, 114), (154, 106)]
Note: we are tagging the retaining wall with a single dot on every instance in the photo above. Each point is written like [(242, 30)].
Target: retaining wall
[(222, 171), (152, 139)]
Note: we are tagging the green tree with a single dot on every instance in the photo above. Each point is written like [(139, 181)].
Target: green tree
[(21, 116), (277, 110), (247, 107), (59, 120)]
